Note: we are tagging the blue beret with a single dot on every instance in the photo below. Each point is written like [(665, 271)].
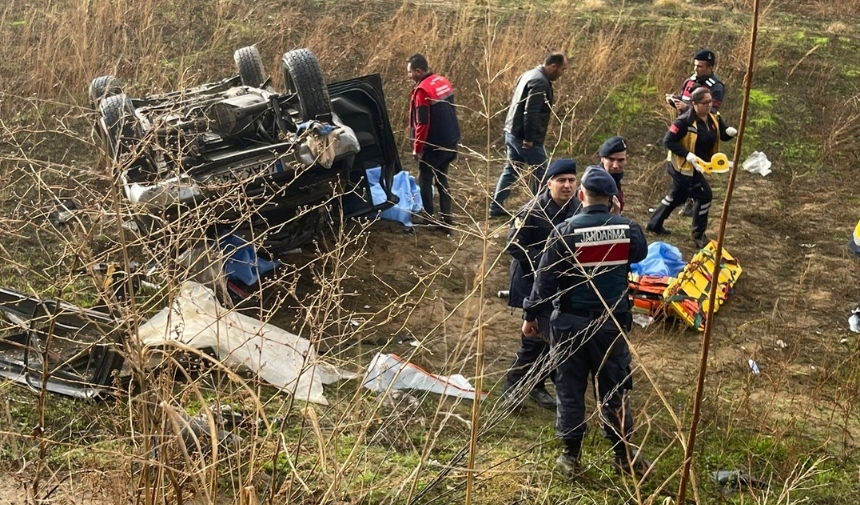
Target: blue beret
[(706, 55), (561, 166), (597, 179), (612, 146)]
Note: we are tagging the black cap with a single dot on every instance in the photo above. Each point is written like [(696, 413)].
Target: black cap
[(597, 179), (612, 146), (705, 55), (561, 166)]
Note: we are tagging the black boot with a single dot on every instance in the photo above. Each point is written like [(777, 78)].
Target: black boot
[(660, 214), (542, 397), (628, 461), (568, 461), (701, 240)]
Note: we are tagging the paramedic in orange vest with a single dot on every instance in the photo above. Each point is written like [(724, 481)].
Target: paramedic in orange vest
[(435, 134), (693, 138)]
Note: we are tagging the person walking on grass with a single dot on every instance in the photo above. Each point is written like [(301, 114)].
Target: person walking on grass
[(526, 240), (435, 134), (525, 128), (693, 137), (703, 75), (582, 281)]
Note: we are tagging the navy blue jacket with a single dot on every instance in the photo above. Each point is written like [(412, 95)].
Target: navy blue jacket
[(587, 258), (527, 237)]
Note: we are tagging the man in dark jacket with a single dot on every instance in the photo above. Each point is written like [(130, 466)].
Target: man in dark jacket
[(703, 75), (526, 240), (526, 126), (435, 134), (583, 274)]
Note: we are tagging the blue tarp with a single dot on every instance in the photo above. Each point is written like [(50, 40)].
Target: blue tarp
[(663, 260), (241, 262), (405, 187)]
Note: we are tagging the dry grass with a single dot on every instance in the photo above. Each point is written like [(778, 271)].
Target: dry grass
[(368, 285)]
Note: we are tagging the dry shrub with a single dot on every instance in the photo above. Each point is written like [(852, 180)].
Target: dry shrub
[(594, 5), (52, 50), (839, 28), (844, 132)]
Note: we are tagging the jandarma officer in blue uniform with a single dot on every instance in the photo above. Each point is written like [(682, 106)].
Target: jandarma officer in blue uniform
[(583, 273), (613, 158), (526, 241)]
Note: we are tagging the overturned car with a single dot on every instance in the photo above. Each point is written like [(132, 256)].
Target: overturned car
[(239, 156)]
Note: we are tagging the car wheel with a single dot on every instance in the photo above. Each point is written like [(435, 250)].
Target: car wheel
[(305, 84), (250, 66), (117, 124), (102, 87)]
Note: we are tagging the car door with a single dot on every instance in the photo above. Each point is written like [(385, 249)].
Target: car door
[(360, 104)]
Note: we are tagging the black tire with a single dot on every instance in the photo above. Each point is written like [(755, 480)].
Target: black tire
[(118, 125), (102, 87), (305, 83), (250, 66)]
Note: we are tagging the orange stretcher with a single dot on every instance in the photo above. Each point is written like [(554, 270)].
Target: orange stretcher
[(646, 293)]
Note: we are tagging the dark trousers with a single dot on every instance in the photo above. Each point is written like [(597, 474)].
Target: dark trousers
[(584, 347), (434, 168), (531, 367), (518, 159), (695, 187)]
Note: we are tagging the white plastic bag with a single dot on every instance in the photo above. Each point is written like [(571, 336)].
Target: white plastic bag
[(757, 163)]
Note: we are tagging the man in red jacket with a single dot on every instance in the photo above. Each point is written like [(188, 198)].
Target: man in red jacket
[(435, 133)]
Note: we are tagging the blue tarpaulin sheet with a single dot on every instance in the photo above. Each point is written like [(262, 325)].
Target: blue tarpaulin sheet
[(663, 260), (405, 187), (241, 261)]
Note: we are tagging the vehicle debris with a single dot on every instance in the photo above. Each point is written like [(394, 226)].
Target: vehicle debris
[(391, 372), (733, 480), (287, 361), (753, 367), (195, 431), (195, 151), (80, 349)]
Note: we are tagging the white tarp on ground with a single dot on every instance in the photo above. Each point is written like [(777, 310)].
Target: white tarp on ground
[(277, 356), (389, 371)]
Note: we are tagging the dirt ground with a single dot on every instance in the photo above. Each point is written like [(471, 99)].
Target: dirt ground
[(420, 294), (788, 312)]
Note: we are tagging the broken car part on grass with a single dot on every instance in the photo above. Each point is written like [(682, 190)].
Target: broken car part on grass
[(79, 352), (239, 155), (72, 351), (81, 349)]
